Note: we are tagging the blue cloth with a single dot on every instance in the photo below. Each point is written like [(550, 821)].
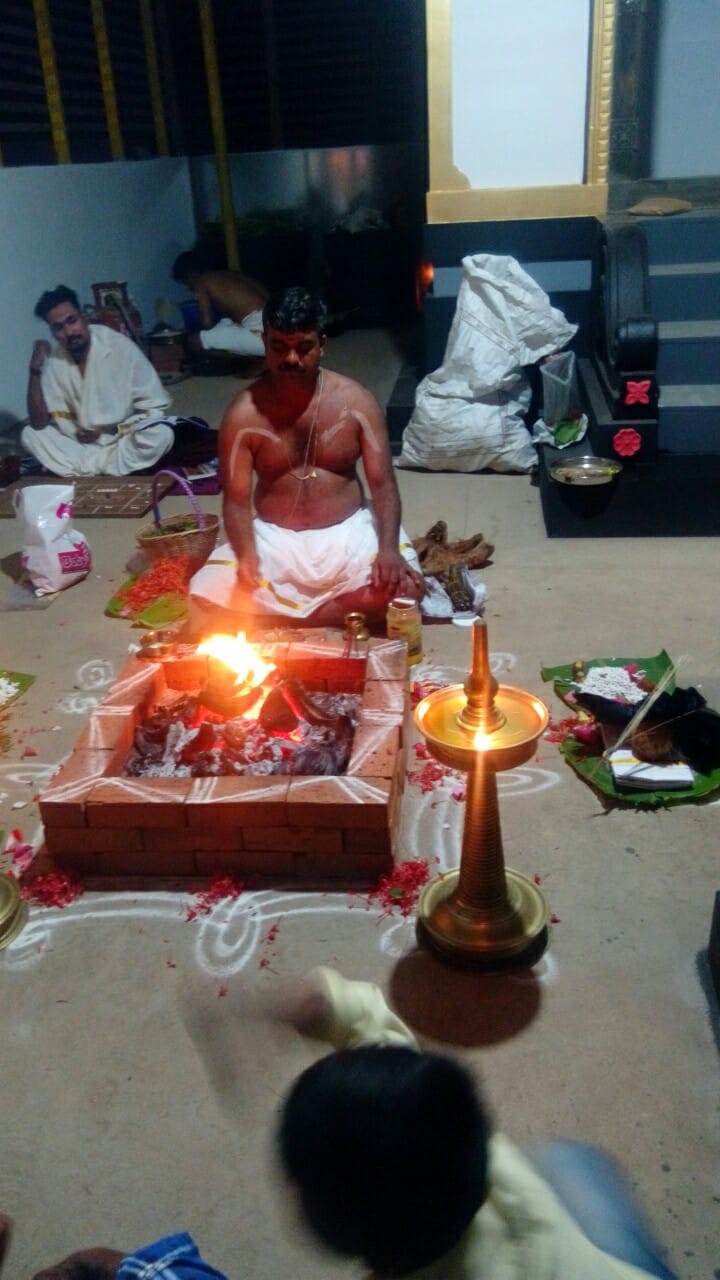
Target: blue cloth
[(172, 1258), (594, 1190)]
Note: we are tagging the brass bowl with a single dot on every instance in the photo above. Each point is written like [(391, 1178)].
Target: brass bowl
[(585, 470), (525, 719), (158, 652), (157, 646), (13, 910), (165, 635)]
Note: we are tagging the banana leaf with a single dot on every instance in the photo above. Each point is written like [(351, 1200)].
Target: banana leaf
[(19, 679), (160, 613), (596, 771)]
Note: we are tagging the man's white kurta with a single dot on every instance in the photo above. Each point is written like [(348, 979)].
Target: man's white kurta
[(118, 387)]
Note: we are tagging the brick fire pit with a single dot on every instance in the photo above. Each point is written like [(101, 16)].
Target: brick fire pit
[(310, 831)]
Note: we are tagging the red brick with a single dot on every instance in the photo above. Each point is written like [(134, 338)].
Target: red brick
[(224, 839), (109, 728), (387, 660), (62, 804), (139, 683), (317, 869), (274, 862), (77, 861), (148, 862), (293, 839), (338, 802), (375, 746), (367, 843), (71, 840), (147, 802), (385, 695), (238, 802)]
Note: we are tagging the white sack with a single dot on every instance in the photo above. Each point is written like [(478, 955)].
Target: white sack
[(469, 413), (469, 435), (54, 555)]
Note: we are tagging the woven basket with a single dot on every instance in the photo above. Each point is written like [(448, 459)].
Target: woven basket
[(170, 538)]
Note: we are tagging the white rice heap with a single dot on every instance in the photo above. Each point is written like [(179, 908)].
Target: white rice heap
[(612, 682), (8, 689)]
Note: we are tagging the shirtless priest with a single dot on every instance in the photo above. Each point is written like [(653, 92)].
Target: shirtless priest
[(304, 543)]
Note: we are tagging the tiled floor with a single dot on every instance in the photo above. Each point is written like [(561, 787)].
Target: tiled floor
[(114, 1128)]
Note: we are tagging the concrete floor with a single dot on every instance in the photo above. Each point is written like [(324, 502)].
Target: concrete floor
[(113, 1128)]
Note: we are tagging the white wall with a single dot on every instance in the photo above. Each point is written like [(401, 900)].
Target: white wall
[(519, 91), (685, 136), (77, 224)]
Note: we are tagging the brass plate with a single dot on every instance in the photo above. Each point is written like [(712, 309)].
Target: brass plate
[(586, 470), (525, 718)]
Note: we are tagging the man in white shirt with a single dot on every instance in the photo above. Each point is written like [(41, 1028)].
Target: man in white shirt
[(95, 403)]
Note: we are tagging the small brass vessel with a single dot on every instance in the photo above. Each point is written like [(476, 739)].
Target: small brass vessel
[(13, 910), (356, 626)]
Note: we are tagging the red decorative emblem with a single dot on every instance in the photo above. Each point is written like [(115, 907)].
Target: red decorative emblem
[(638, 392), (627, 441)]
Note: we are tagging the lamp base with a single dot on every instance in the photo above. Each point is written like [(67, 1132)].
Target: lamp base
[(502, 934)]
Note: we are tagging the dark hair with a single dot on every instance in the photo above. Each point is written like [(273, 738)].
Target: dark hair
[(187, 264), (295, 310), (52, 298), (388, 1148)]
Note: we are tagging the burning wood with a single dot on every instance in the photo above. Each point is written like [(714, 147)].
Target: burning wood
[(245, 719)]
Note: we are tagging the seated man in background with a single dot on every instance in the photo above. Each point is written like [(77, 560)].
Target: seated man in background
[(95, 402), (304, 543), (230, 307)]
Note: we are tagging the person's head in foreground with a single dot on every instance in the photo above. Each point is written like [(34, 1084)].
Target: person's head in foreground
[(387, 1148)]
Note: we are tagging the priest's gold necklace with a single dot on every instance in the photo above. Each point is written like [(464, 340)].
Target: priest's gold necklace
[(308, 467)]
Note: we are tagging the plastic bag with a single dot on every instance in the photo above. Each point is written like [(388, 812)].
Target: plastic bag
[(566, 432), (54, 555), (470, 413), (561, 395), (436, 602)]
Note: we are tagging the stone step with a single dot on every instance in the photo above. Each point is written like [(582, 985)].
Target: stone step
[(685, 237), (689, 418), (685, 290), (689, 351)]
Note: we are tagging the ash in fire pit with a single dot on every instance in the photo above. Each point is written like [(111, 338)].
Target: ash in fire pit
[(293, 733)]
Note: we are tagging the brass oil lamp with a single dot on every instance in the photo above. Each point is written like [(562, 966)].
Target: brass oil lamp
[(482, 913)]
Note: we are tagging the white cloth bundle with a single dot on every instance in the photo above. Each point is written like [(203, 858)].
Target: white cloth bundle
[(469, 413)]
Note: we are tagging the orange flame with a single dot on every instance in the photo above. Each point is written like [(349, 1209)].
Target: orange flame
[(238, 655)]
